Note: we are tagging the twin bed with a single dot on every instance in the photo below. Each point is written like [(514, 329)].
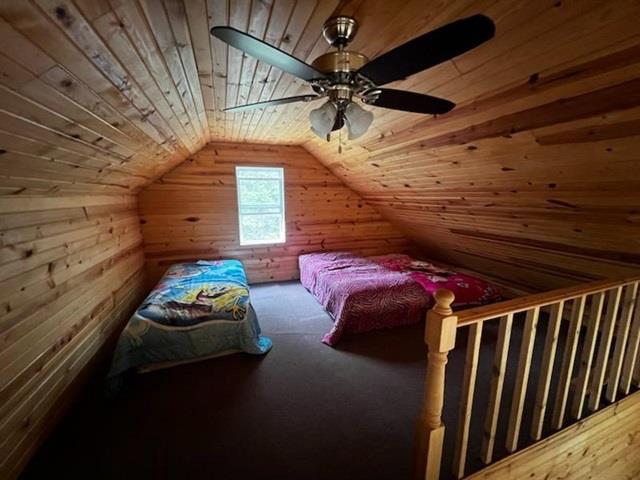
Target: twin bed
[(364, 294), (203, 309), (197, 310)]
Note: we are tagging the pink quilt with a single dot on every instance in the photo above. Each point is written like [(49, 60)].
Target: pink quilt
[(364, 294), (469, 291)]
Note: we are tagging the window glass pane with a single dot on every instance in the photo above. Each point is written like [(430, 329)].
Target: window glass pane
[(260, 205), (259, 192), (261, 228), (258, 209), (259, 172)]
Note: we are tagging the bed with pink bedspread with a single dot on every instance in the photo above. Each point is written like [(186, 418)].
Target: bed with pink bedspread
[(371, 293)]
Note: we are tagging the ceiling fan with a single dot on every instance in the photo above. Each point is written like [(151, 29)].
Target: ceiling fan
[(343, 75)]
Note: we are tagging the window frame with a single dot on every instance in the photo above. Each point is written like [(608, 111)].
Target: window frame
[(282, 213)]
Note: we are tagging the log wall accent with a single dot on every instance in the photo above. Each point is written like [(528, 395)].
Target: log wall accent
[(605, 445), (71, 273), (191, 213)]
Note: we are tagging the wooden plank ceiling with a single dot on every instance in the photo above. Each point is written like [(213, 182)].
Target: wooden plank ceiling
[(105, 95), (537, 162), (534, 176)]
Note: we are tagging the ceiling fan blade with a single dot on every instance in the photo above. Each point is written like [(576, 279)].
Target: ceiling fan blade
[(266, 53), (408, 101), (429, 49), (271, 103)]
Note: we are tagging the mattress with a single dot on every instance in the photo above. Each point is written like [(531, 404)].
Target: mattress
[(197, 310), (364, 294), (360, 294)]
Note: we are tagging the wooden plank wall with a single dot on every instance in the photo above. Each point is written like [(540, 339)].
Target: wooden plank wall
[(603, 446), (90, 99), (71, 272), (531, 177), (191, 213), (534, 176)]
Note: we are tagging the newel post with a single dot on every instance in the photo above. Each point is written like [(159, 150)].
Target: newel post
[(440, 337)]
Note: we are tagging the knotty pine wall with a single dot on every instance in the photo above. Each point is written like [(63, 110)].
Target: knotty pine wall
[(71, 273), (531, 178), (534, 176), (191, 213), (601, 446)]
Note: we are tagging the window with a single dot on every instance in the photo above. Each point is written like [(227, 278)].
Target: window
[(260, 205)]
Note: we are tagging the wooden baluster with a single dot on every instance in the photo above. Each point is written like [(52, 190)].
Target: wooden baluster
[(522, 378), (600, 368), (568, 359), (440, 337), (466, 402), (597, 302), (546, 369), (622, 334), (497, 383), (632, 350)]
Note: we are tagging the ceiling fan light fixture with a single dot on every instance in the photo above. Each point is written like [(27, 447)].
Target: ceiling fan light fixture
[(358, 120), (342, 75), (322, 119)]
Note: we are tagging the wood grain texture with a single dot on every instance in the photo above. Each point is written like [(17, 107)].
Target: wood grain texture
[(533, 177), (497, 384), (71, 272), (546, 369), (522, 378), (88, 100), (466, 403), (566, 384), (585, 450), (587, 355), (568, 359), (440, 339), (191, 213), (530, 177)]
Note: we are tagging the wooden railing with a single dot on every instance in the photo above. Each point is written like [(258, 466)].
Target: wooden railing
[(600, 355)]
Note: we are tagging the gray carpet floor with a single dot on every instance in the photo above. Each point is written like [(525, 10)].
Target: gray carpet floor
[(305, 410)]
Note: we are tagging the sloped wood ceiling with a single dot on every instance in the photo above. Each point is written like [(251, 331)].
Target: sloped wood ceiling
[(105, 95), (533, 175)]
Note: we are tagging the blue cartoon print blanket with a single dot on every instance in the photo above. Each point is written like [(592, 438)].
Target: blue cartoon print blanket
[(197, 310)]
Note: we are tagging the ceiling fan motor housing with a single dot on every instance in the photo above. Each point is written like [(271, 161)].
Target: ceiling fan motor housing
[(339, 31), (341, 61), (340, 66)]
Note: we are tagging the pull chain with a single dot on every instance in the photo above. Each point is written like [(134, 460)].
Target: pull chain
[(340, 142)]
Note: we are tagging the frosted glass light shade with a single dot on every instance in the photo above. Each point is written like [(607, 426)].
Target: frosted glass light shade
[(358, 120), (322, 119)]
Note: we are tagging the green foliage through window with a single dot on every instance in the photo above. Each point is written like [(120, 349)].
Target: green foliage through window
[(260, 205)]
